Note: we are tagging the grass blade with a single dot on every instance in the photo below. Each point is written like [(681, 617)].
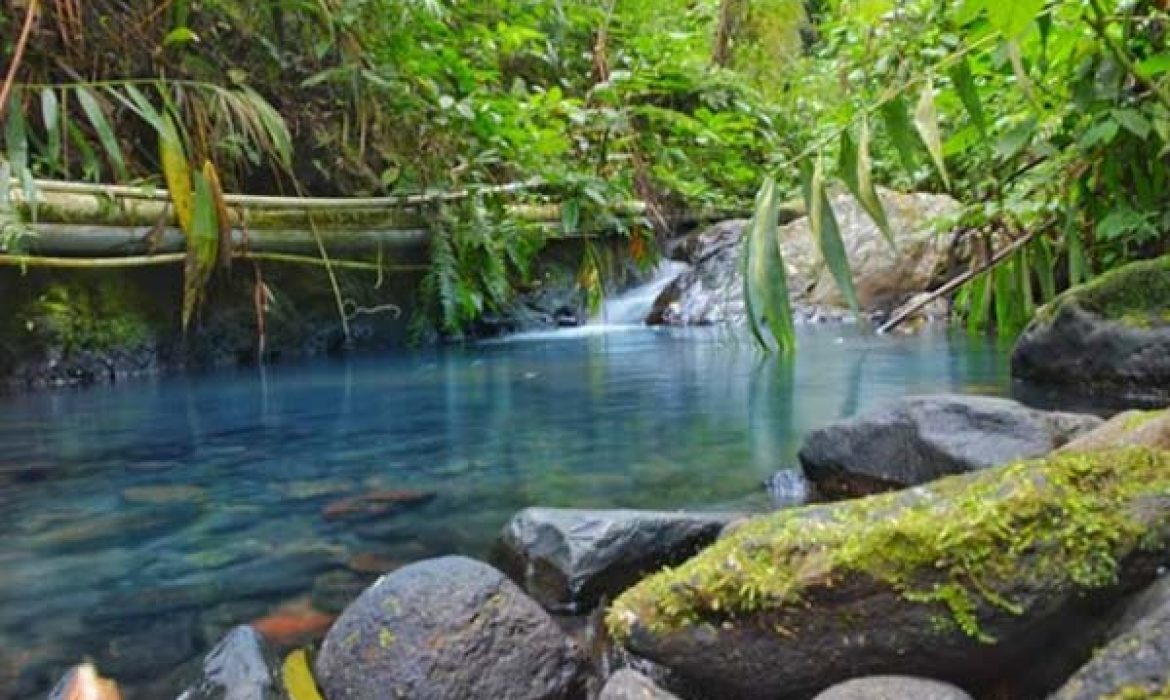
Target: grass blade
[(105, 133), (964, 83), (202, 246), (51, 117), (177, 171), (826, 231)]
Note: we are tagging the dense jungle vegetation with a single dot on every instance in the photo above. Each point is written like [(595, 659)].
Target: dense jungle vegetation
[(1049, 120)]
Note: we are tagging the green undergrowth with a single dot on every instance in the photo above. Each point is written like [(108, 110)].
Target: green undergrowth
[(959, 545), (1137, 294), (98, 314)]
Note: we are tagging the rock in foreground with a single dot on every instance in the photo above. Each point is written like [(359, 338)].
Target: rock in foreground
[(1108, 337), (628, 684), (893, 688), (918, 440), (448, 628), (569, 559), (966, 580)]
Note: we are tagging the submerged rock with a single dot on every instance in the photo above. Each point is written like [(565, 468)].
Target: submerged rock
[(712, 291), (240, 667), (448, 628), (375, 504), (893, 688), (917, 440), (1108, 337), (628, 684), (1136, 661), (568, 560), (967, 580), (294, 624)]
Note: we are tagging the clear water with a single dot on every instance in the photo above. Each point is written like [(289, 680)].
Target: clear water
[(141, 521)]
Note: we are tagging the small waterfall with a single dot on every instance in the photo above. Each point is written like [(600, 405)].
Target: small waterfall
[(632, 308)]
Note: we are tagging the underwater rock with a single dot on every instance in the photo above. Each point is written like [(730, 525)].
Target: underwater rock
[(294, 624), (1108, 337), (373, 563), (448, 628), (628, 684), (151, 648), (967, 580), (334, 590), (568, 559), (240, 667), (375, 504), (84, 683), (893, 688), (1137, 660), (164, 495), (920, 439)]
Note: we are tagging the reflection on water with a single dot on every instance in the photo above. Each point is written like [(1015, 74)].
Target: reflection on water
[(142, 521)]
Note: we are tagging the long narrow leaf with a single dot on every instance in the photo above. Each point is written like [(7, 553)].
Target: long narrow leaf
[(177, 171), (223, 218), (866, 191), (896, 116), (1078, 265), (16, 146), (202, 247), (980, 309), (826, 231), (51, 117), (968, 94), (765, 281), (105, 133), (1044, 268), (926, 121)]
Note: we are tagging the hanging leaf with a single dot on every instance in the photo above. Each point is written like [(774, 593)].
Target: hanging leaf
[(222, 216), (176, 171), (570, 216), (202, 247), (16, 147), (980, 308), (1078, 265), (926, 121), (1004, 277), (137, 102), (827, 233), (866, 191), (51, 117), (105, 133), (298, 677), (1027, 306), (1043, 267), (896, 116), (765, 279), (964, 83)]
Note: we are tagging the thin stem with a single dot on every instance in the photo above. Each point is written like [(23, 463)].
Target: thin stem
[(18, 56)]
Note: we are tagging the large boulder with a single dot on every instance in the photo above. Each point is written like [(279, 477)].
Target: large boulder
[(893, 688), (1108, 337), (569, 559), (240, 667), (628, 684), (1136, 661), (967, 580), (712, 291), (917, 440), (448, 628), (1129, 429)]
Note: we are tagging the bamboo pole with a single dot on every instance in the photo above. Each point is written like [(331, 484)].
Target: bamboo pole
[(24, 261)]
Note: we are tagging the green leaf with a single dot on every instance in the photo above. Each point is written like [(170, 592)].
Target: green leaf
[(137, 102), (926, 121), (202, 246), (1005, 293), (980, 307), (1134, 122), (16, 146), (570, 216), (1155, 65), (51, 117), (1078, 265), (896, 116), (1044, 268), (765, 280), (827, 233), (179, 36), (855, 167), (964, 83), (1013, 17), (105, 134)]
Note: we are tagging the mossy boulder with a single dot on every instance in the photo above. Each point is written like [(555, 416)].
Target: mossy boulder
[(966, 580), (1110, 336)]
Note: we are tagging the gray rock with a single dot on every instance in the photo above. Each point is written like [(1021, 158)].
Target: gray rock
[(917, 440), (893, 688), (789, 488), (1137, 658), (1109, 337), (628, 684), (448, 628), (240, 667), (568, 560)]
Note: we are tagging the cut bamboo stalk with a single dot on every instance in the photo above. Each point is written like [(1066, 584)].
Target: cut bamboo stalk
[(30, 261)]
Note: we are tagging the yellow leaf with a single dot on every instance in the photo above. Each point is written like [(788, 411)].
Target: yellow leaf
[(177, 171), (298, 678), (222, 216)]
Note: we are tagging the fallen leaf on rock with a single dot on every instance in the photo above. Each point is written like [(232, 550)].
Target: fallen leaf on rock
[(298, 678)]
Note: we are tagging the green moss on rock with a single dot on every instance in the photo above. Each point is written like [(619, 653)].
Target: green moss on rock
[(1141, 692), (957, 544), (1137, 295)]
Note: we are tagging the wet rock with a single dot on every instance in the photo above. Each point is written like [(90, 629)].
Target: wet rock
[(920, 439), (893, 688), (85, 683), (570, 559), (334, 590), (1137, 660), (712, 292), (375, 504), (1129, 429), (628, 684), (152, 648), (294, 624), (967, 580), (448, 628), (1108, 337), (106, 530), (240, 667)]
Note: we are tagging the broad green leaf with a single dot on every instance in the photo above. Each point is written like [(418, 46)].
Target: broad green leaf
[(825, 230), (105, 134), (51, 118), (969, 94), (967, 11), (1013, 17), (926, 120), (1134, 122), (176, 171), (202, 246), (298, 677), (765, 279), (179, 36), (896, 116), (1154, 66)]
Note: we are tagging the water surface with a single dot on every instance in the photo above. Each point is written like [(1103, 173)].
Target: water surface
[(141, 521)]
